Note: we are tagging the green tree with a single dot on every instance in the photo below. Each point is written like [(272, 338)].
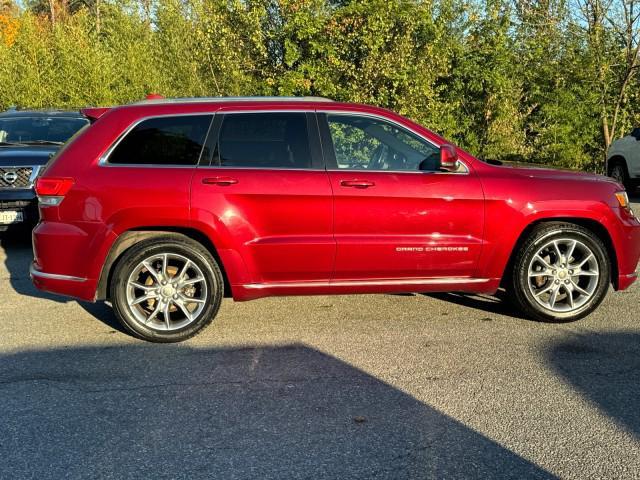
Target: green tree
[(548, 81)]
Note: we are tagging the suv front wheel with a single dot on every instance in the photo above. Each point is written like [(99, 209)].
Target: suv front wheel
[(618, 171), (561, 273), (166, 289)]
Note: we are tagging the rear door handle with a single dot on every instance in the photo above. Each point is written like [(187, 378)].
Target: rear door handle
[(222, 181), (357, 183)]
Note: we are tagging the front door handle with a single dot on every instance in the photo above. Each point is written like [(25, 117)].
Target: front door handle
[(357, 183), (222, 181)]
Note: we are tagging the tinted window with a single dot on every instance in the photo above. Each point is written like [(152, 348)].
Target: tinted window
[(39, 129), (265, 140), (372, 144), (163, 141)]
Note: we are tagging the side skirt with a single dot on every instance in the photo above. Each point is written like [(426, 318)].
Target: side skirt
[(252, 291)]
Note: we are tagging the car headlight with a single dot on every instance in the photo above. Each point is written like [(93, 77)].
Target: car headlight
[(623, 201)]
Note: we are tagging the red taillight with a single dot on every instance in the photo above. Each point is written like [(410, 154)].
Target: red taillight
[(53, 186)]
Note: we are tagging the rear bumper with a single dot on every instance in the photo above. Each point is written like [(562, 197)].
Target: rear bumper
[(80, 288), (67, 258)]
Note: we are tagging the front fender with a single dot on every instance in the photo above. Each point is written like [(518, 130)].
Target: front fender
[(508, 221)]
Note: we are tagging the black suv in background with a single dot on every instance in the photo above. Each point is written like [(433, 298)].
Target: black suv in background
[(28, 139)]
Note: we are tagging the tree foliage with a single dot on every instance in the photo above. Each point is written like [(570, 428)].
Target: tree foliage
[(545, 81)]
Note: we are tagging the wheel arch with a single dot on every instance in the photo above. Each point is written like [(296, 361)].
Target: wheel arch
[(590, 224), (131, 237), (615, 159)]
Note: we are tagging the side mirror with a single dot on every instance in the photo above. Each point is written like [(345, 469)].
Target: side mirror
[(448, 158)]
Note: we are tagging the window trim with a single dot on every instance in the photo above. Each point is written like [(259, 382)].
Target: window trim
[(322, 152), (329, 148), (104, 158), (313, 137), (211, 143)]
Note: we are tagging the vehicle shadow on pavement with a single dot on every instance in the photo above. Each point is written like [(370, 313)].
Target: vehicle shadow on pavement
[(18, 253), (269, 412), (18, 257), (493, 304), (104, 313), (605, 368)]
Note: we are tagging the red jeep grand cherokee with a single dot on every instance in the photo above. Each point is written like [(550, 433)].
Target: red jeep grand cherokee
[(165, 206)]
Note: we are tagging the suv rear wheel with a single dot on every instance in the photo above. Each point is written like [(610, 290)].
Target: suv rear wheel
[(166, 289), (561, 274)]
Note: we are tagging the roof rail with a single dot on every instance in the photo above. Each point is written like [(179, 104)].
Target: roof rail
[(231, 99)]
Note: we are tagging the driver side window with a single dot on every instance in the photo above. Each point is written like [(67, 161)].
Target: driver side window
[(372, 144)]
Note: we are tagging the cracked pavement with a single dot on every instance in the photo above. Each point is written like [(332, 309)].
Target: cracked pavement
[(382, 386)]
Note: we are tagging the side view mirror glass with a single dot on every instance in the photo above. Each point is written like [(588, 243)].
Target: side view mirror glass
[(448, 158)]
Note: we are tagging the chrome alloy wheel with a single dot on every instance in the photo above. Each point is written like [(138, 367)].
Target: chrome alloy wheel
[(166, 292), (563, 275)]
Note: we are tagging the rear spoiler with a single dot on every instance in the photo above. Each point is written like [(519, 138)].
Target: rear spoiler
[(94, 113)]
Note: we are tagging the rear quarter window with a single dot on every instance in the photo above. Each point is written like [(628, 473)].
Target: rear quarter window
[(176, 140)]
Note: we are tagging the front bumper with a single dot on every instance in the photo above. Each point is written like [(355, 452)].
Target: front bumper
[(625, 281), (626, 239), (23, 200)]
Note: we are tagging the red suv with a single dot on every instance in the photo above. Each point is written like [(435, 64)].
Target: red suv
[(166, 206)]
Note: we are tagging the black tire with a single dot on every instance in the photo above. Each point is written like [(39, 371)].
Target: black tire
[(519, 279), (179, 246), (618, 171)]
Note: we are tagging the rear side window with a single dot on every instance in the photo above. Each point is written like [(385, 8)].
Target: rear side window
[(265, 140), (163, 141)]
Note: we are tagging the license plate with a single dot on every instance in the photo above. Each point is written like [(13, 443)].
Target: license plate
[(11, 216)]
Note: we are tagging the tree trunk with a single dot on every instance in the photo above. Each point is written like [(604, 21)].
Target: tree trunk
[(605, 132), (98, 16)]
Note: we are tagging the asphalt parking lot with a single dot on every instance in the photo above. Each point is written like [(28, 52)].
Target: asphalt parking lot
[(384, 386)]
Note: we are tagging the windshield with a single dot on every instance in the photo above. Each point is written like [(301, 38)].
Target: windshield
[(56, 130)]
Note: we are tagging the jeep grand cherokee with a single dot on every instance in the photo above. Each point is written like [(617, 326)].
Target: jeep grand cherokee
[(165, 206)]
